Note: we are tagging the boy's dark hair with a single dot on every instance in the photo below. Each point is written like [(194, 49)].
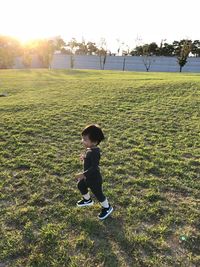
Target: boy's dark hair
[(94, 133)]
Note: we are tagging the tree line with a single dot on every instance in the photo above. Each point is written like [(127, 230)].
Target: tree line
[(44, 49)]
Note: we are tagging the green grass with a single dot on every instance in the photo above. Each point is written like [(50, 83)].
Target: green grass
[(150, 164)]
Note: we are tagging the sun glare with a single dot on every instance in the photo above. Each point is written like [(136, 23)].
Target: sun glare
[(28, 20)]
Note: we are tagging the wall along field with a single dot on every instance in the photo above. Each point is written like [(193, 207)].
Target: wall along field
[(150, 164)]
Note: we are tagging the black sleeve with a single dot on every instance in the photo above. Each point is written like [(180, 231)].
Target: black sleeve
[(94, 158)]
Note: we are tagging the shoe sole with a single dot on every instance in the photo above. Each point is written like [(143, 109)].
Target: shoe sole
[(85, 205), (106, 214)]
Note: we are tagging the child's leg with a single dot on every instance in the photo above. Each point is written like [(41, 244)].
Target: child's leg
[(86, 201), (96, 188), (82, 186), (105, 204), (107, 209)]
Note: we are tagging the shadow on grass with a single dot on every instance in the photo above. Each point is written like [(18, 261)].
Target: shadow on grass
[(62, 74), (110, 242), (115, 246)]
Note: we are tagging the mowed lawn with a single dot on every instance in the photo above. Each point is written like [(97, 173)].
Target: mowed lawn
[(150, 164)]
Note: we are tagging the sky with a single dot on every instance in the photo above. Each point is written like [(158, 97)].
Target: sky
[(132, 22)]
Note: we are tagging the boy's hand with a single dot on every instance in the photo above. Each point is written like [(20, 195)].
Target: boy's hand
[(79, 176)]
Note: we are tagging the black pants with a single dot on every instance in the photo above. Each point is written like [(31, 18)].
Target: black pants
[(94, 185)]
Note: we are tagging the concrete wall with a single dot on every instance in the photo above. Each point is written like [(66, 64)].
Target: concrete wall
[(18, 63), (61, 62), (135, 63)]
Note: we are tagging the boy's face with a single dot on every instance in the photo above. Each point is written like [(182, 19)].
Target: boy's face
[(87, 142)]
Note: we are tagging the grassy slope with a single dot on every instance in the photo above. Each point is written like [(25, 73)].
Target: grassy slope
[(150, 163)]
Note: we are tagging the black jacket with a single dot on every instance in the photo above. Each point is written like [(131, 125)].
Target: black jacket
[(91, 163)]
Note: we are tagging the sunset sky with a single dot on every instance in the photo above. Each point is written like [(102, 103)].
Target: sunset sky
[(130, 21)]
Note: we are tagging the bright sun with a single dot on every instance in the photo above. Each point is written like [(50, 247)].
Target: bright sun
[(93, 19), (30, 20)]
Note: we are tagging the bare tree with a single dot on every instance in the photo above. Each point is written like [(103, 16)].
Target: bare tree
[(120, 48), (145, 52), (147, 57), (124, 63), (102, 52)]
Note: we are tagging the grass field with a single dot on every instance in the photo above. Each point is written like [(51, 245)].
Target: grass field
[(150, 164)]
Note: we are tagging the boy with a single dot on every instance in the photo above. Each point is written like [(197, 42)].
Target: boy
[(91, 178)]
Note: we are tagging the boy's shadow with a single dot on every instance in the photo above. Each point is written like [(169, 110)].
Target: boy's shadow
[(110, 241)]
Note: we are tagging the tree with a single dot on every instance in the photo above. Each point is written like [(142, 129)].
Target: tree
[(9, 49), (146, 51), (153, 49), (102, 52), (73, 44), (45, 50), (122, 48), (183, 51), (166, 50), (137, 51), (91, 48), (81, 48), (195, 49), (27, 58), (59, 43), (147, 57), (6, 59)]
